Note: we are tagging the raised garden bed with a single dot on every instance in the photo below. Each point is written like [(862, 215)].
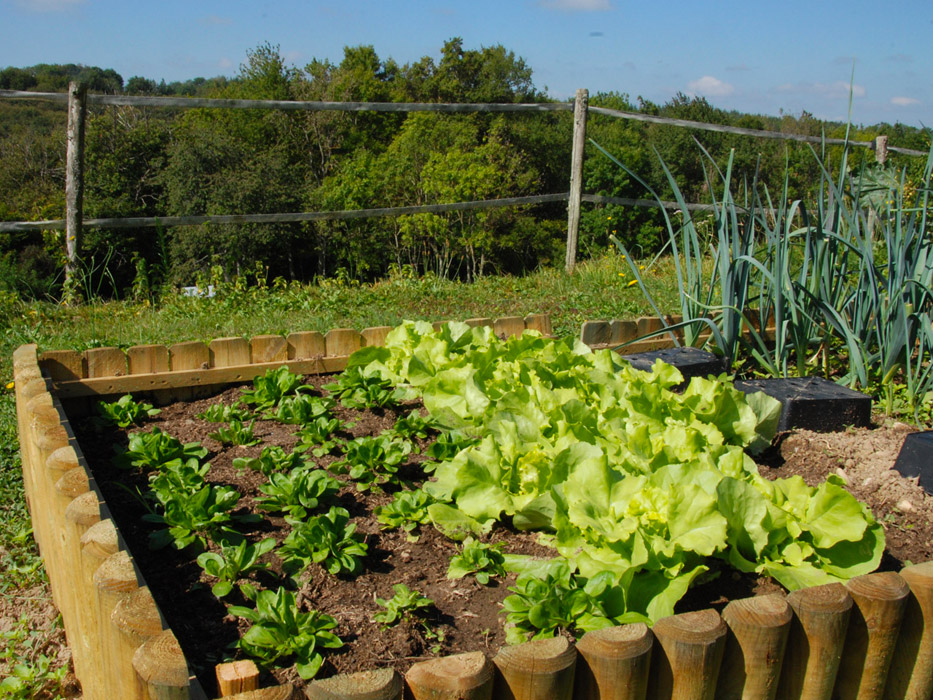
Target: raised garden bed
[(109, 607)]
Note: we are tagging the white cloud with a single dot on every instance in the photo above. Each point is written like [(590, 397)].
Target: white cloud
[(48, 5), (838, 89), (710, 86), (904, 101), (577, 5)]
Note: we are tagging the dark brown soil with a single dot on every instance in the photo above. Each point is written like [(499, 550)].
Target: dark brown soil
[(466, 616)]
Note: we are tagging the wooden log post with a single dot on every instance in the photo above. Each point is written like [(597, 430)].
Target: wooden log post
[(237, 677), (815, 642), (540, 323), (911, 675), (508, 327), (80, 516), (342, 342), (279, 692), (114, 579), (540, 669), (880, 599), (135, 620), (614, 663), (375, 335), (268, 348), (74, 188), (162, 668), (580, 105), (686, 661), (383, 684), (460, 677), (758, 629)]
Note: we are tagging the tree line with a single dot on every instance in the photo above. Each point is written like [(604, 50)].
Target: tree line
[(161, 162)]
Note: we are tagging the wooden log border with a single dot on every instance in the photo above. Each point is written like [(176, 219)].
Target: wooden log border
[(819, 642)]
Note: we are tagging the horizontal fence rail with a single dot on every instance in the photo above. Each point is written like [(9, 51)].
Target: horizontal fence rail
[(312, 106), (170, 221), (869, 638)]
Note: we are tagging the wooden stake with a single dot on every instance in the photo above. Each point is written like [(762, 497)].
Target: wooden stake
[(81, 515), (74, 184), (814, 646), (114, 579), (880, 599), (460, 677), (161, 666), (341, 342), (279, 692), (686, 660), (911, 675), (135, 620), (614, 663), (539, 669), (384, 684), (236, 677), (580, 104), (758, 629)]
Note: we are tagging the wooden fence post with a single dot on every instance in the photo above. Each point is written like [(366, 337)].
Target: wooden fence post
[(580, 105), (74, 185)]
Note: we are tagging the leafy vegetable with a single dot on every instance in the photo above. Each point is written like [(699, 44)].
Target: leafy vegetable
[(235, 433), (297, 492), (478, 558), (407, 510), (281, 630), (318, 436), (233, 562), (272, 459), (152, 449), (357, 390), (193, 517), (219, 413), (270, 388), (329, 540), (372, 461), (405, 604), (125, 412), (302, 409)]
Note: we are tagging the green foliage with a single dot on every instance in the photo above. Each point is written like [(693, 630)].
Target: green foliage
[(407, 510), (318, 436), (271, 388), (406, 604), (236, 433), (233, 562), (298, 492), (194, 517), (412, 426), (272, 459), (155, 448), (302, 409), (329, 540), (478, 558), (33, 674), (373, 461), (281, 631), (220, 413), (125, 412), (355, 390)]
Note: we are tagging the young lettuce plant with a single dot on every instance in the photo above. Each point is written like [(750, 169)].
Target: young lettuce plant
[(233, 562), (269, 389), (318, 436), (219, 413), (406, 604), (357, 390), (301, 409), (153, 449), (411, 426), (272, 459), (281, 631), (407, 510), (478, 558), (329, 540), (373, 461), (298, 492), (125, 412), (194, 517), (235, 433)]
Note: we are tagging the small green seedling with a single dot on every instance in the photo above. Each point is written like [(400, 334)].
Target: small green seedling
[(125, 412), (219, 413), (406, 604), (273, 459), (235, 433), (329, 540), (298, 492), (233, 562), (478, 558), (407, 510)]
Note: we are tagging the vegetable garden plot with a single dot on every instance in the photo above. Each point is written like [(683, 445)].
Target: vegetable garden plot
[(628, 479)]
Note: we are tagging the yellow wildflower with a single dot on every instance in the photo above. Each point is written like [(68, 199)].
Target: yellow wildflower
[(621, 274), (9, 385), (633, 282)]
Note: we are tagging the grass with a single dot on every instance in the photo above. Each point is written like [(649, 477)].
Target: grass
[(598, 289)]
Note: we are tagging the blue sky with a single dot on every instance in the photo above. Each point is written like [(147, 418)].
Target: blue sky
[(750, 56)]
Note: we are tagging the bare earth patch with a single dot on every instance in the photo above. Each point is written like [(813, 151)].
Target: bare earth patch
[(466, 615)]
